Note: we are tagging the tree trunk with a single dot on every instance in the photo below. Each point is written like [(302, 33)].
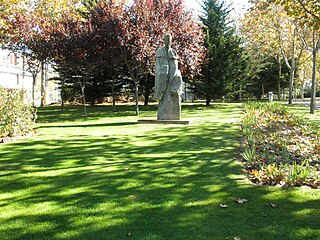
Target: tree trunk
[(208, 100), (136, 83), (82, 84), (84, 102), (34, 76), (136, 87), (62, 95), (146, 96), (292, 70), (302, 91), (279, 84), (148, 87), (185, 91), (292, 73), (314, 81), (42, 84), (113, 94)]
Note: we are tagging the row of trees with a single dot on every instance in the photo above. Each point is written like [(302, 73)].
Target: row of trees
[(104, 46), (288, 32), (101, 44)]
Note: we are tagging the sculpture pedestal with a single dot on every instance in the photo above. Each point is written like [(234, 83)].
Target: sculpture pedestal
[(169, 107), (152, 121)]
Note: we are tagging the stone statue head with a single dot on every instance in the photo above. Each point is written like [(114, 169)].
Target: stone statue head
[(167, 39)]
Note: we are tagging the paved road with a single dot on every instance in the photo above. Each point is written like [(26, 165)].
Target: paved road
[(306, 102)]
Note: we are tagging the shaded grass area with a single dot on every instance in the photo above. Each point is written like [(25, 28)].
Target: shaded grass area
[(106, 176)]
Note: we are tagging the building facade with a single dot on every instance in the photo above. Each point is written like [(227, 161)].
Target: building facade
[(14, 74)]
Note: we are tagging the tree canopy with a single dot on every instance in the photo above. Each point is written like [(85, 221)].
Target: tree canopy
[(225, 62), (288, 31), (91, 36)]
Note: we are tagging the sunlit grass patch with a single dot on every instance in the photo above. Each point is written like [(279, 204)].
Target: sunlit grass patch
[(107, 177)]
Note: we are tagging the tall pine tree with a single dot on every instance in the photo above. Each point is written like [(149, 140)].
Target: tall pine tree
[(225, 61)]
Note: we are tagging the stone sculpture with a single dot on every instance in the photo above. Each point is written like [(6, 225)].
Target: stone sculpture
[(168, 81)]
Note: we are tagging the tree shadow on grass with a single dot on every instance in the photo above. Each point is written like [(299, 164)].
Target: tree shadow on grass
[(164, 183), (109, 124), (53, 114)]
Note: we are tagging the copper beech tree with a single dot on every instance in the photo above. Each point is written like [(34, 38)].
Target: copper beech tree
[(106, 34), (130, 35), (144, 25)]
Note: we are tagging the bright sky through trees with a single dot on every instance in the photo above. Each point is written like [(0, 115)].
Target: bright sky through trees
[(240, 6)]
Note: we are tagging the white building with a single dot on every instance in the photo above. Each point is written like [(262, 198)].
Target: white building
[(14, 74)]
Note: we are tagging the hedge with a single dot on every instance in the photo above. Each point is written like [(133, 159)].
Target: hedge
[(16, 114)]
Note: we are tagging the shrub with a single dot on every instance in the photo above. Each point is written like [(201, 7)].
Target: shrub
[(16, 114)]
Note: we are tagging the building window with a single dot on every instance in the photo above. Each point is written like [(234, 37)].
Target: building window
[(4, 59)]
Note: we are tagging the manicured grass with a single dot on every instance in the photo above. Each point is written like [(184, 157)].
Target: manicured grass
[(107, 177), (304, 111)]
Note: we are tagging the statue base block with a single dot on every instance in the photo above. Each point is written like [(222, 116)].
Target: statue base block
[(153, 121)]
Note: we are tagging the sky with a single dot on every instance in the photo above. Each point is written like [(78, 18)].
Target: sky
[(240, 6)]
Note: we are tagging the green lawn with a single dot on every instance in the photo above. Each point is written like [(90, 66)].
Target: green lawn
[(304, 111), (107, 177)]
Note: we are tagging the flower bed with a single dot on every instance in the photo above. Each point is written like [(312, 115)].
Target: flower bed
[(278, 147)]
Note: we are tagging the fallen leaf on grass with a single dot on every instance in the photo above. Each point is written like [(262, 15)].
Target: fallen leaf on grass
[(131, 196), (223, 205), (241, 201), (312, 183), (255, 172), (273, 205)]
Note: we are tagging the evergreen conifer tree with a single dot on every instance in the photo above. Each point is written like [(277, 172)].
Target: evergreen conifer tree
[(225, 63)]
